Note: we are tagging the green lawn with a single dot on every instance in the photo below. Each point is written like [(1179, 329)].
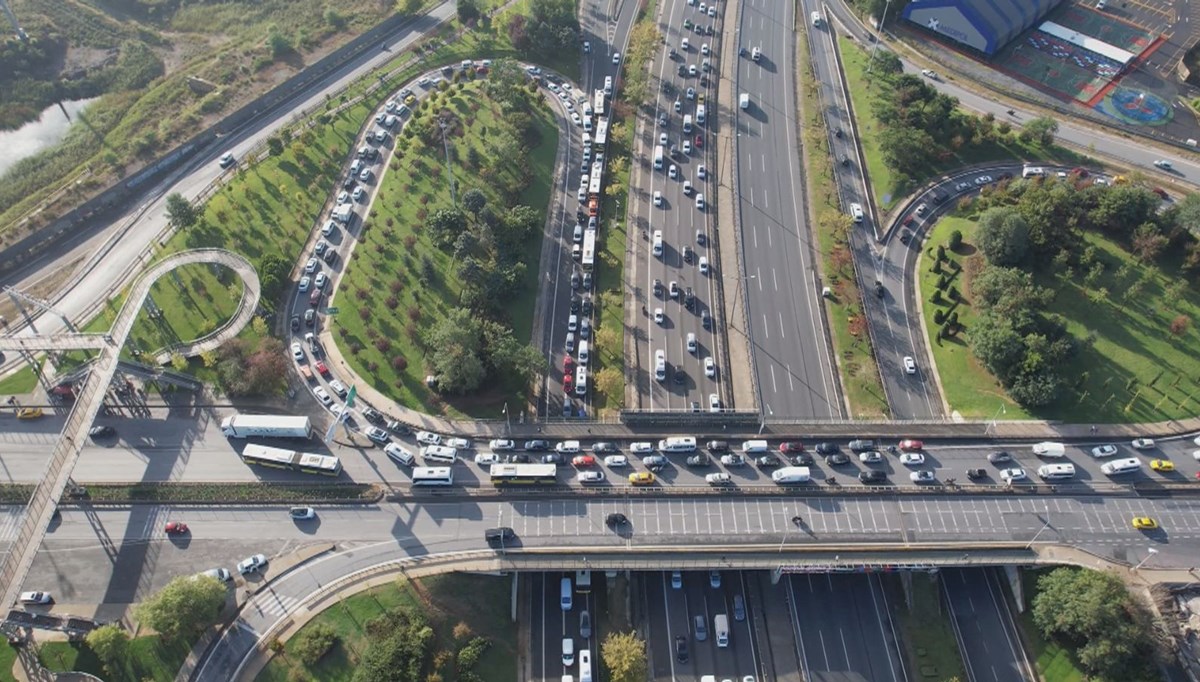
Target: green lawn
[(23, 380), (1133, 371), (8, 658), (928, 634), (866, 88), (859, 372), (149, 658), (481, 602), (388, 257), (1053, 663)]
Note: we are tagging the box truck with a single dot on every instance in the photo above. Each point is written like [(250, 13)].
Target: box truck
[(266, 425)]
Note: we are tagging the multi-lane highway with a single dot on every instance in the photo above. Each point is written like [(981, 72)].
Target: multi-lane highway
[(795, 373), (672, 205), (549, 624), (991, 647)]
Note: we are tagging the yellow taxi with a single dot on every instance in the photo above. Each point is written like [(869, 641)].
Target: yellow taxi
[(641, 478), (1144, 523), (410, 99), (29, 413), (1162, 465)]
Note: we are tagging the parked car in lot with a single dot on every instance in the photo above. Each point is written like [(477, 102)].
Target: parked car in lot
[(36, 598), (252, 564)]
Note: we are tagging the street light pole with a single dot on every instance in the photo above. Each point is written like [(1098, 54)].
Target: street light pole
[(876, 47), (762, 420), (1045, 525), (1150, 552), (992, 424)]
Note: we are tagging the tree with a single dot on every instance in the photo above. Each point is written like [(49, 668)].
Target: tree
[(887, 62), (110, 643), (314, 642), (273, 272), (457, 352), (1148, 242), (275, 145), (413, 6), (180, 212), (187, 604), (474, 200), (1180, 324), (625, 657), (609, 382), (277, 42), (997, 345), (445, 225), (1041, 129), (955, 240), (1003, 236), (1010, 293), (468, 11)]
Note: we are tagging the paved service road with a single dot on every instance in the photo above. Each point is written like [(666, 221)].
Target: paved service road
[(795, 373), (990, 646), (845, 626)]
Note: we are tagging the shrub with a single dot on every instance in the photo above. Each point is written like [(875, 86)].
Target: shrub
[(939, 316), (941, 252), (937, 267), (396, 286), (469, 655), (414, 313), (953, 293), (314, 642), (364, 313), (937, 296), (382, 344), (955, 240), (399, 363), (942, 283), (361, 294), (392, 302)]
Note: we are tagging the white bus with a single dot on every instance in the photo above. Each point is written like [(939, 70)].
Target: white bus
[(432, 476), (677, 444)]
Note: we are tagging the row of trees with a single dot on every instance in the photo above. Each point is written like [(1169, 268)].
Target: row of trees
[(465, 350), (550, 28)]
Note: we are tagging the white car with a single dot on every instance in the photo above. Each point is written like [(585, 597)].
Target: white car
[(718, 479), (589, 477), (458, 443), (502, 444), (487, 459), (703, 265), (1196, 455), (304, 283), (910, 365), (921, 477), (575, 119), (1104, 451), (659, 318), (36, 598), (662, 139), (931, 75), (616, 58), (870, 457), (1162, 163), (657, 198), (701, 172), (712, 11), (687, 146), (252, 564), (732, 460), (1143, 443), (338, 387), (704, 49), (641, 448), (427, 438), (297, 351), (714, 402), (673, 171), (323, 396), (700, 201), (710, 368), (302, 513), (912, 459), (1014, 474), (312, 265), (687, 188), (226, 159), (616, 461)]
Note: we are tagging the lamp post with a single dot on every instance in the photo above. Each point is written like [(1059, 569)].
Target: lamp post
[(507, 420), (737, 296), (876, 47), (992, 424), (762, 421), (1150, 552), (1045, 525)]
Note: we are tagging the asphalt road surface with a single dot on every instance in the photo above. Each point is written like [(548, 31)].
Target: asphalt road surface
[(550, 624), (675, 216), (795, 372), (990, 646)]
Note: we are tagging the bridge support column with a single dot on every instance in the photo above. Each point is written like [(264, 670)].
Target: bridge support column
[(906, 583), (1013, 573), (776, 574)]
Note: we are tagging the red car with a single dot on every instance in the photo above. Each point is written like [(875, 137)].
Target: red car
[(699, 141), (791, 446), (583, 461), (568, 363), (1162, 193), (568, 381), (911, 445), (321, 368), (176, 528)]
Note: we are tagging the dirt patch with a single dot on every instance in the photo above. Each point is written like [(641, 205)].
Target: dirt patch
[(43, 289)]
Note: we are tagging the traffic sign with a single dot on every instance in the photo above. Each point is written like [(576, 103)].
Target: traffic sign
[(350, 397), (331, 311)]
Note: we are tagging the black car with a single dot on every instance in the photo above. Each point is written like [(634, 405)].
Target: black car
[(348, 184), (682, 70), (837, 458), (802, 460), (604, 447), (698, 460), (861, 445), (399, 428), (101, 431), (687, 254), (498, 537), (837, 133), (976, 474), (295, 323), (553, 458), (681, 649), (615, 520), (537, 445), (330, 256), (768, 462), (872, 476), (587, 305), (372, 416), (999, 457), (718, 446), (576, 303), (826, 448), (517, 458), (706, 320), (879, 290), (939, 198)]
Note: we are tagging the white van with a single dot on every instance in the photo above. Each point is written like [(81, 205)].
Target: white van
[(585, 665), (687, 123), (721, 630), (658, 242), (816, 19), (568, 652), (658, 157), (753, 447), (581, 379), (1049, 449), (660, 365), (784, 475), (744, 100), (587, 123), (566, 594), (568, 447), (399, 454), (700, 112), (677, 444), (856, 212), (583, 353), (587, 139), (439, 453), (1056, 472), (1121, 466)]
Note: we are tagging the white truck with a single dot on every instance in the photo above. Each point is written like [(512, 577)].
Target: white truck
[(266, 425), (1049, 449)]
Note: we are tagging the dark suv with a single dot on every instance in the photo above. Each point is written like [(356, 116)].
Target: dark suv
[(861, 445), (498, 537), (872, 476)]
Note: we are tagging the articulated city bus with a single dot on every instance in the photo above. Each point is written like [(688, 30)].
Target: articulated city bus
[(294, 460)]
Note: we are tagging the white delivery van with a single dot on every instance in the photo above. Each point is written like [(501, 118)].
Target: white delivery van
[(587, 123), (677, 444), (581, 379), (399, 454), (583, 353), (687, 123), (753, 447), (439, 453), (1056, 472), (608, 85), (784, 475), (568, 652), (658, 157), (1049, 449), (721, 630), (1121, 466), (585, 665), (568, 447), (700, 113), (566, 594), (744, 100), (856, 212), (816, 19)]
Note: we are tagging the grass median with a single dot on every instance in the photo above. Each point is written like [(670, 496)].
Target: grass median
[(150, 657), (265, 493), (858, 370), (930, 644)]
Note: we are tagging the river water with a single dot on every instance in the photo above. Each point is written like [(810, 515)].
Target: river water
[(43, 133)]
